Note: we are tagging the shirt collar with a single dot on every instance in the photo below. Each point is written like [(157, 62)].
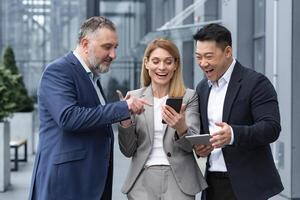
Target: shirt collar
[(87, 69), (226, 76)]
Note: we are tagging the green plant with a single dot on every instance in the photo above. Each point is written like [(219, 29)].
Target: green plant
[(7, 94), (23, 102), (9, 60)]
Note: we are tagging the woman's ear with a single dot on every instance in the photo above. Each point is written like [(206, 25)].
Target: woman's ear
[(146, 63)]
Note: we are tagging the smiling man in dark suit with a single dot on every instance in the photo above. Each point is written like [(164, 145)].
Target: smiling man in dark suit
[(239, 108), (74, 157)]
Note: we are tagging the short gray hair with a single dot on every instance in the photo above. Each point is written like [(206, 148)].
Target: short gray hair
[(92, 24)]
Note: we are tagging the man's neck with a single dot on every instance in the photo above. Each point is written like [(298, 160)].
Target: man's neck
[(80, 52)]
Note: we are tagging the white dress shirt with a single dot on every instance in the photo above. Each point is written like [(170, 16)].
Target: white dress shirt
[(158, 155), (215, 114), (93, 78)]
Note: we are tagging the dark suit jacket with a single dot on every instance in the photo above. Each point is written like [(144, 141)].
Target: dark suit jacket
[(76, 139), (251, 109)]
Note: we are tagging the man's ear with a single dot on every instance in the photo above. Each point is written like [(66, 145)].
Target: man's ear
[(228, 51), (84, 43)]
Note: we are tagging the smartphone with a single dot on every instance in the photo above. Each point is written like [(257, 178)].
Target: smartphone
[(175, 103)]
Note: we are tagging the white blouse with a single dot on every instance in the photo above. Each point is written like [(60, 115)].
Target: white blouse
[(158, 155)]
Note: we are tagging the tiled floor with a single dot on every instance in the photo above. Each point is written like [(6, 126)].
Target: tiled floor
[(20, 182)]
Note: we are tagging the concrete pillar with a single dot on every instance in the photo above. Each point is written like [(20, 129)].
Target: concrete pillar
[(4, 156)]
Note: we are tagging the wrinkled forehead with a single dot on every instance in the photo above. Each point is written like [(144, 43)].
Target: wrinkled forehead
[(104, 35)]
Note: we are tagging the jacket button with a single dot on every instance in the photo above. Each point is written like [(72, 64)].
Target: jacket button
[(169, 154)]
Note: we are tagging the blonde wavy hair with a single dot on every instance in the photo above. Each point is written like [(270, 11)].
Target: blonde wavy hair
[(177, 87)]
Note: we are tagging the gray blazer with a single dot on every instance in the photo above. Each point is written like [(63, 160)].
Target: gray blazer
[(136, 142)]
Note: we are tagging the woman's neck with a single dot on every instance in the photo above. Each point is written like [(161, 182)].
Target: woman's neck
[(160, 91)]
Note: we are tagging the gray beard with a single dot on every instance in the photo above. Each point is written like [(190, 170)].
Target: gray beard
[(98, 68), (101, 69)]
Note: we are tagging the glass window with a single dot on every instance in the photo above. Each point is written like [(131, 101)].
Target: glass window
[(259, 55), (259, 35), (39, 31), (212, 10), (259, 16)]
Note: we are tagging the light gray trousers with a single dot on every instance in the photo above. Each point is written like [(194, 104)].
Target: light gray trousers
[(157, 183)]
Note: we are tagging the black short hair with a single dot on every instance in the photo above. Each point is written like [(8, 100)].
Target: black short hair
[(214, 32)]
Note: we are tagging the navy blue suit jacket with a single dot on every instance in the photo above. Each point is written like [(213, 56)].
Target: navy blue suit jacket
[(75, 148), (251, 109)]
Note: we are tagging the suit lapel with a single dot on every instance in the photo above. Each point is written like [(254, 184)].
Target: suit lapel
[(77, 65), (232, 91), (149, 112), (203, 106), (83, 75)]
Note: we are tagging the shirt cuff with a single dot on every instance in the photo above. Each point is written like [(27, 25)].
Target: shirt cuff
[(232, 136), (129, 124)]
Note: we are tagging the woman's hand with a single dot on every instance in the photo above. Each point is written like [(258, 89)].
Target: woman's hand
[(174, 119), (203, 150)]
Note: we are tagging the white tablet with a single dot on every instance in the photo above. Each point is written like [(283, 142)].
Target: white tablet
[(198, 139)]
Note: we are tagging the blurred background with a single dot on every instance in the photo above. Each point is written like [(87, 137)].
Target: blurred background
[(265, 37)]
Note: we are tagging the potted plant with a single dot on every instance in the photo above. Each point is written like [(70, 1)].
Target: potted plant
[(24, 103), (21, 122), (7, 106)]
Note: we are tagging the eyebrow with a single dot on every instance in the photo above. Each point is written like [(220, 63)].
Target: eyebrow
[(110, 44), (204, 53), (170, 57)]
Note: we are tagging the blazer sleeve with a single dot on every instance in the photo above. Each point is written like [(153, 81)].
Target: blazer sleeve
[(127, 138), (192, 118), (59, 95), (128, 141), (265, 115)]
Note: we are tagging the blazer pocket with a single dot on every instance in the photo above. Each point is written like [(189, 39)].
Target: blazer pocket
[(69, 157)]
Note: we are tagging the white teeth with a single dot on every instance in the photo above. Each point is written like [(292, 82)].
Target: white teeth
[(162, 74)]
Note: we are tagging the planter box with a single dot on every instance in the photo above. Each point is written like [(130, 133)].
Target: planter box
[(22, 127), (4, 156)]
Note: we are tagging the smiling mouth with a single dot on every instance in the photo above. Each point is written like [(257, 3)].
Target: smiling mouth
[(161, 75), (107, 63), (108, 60), (209, 72)]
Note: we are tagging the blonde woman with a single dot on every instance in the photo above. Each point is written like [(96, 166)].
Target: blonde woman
[(162, 161)]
